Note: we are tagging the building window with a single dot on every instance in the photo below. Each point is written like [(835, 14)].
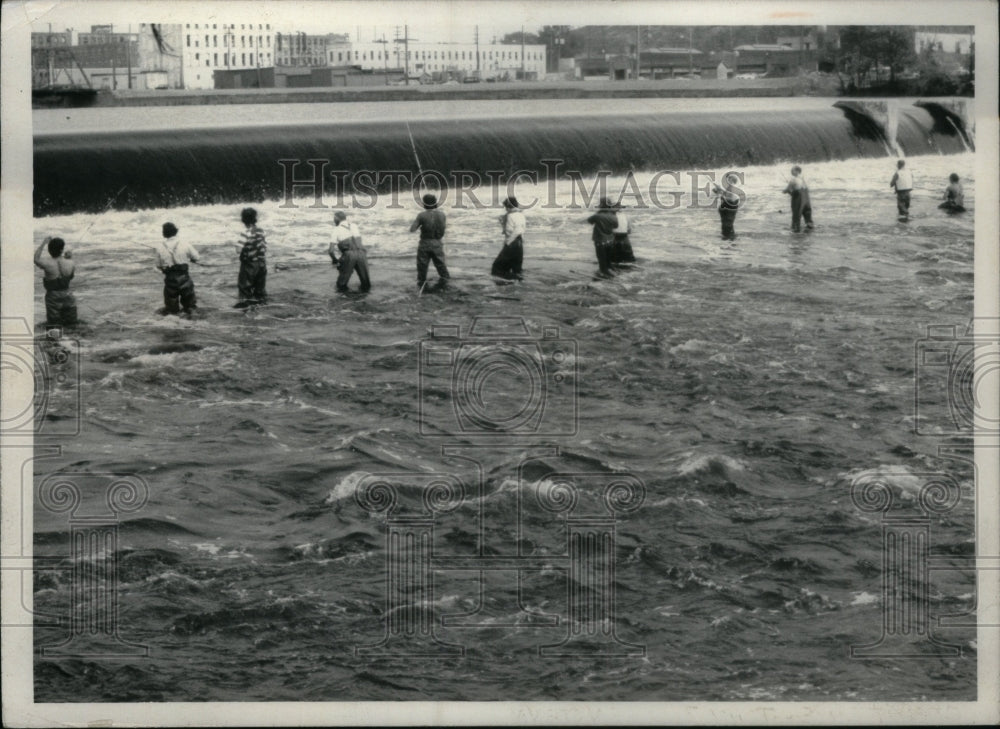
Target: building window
[(215, 58), (243, 59), (206, 62), (197, 56), (189, 41), (206, 41), (340, 55)]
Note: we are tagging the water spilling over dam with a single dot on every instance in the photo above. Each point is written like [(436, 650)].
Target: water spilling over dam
[(226, 162)]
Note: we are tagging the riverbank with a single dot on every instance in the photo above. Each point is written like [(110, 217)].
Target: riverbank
[(665, 88)]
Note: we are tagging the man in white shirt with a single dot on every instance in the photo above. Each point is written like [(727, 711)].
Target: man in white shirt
[(902, 181), (509, 261), (353, 257), (172, 258), (621, 246)]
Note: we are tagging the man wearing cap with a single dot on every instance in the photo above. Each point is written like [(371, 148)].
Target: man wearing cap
[(604, 221), (352, 254), (172, 258), (509, 261), (431, 223)]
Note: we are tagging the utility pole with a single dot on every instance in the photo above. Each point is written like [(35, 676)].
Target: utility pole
[(114, 68), (128, 54), (691, 50), (638, 62), (385, 56), (405, 40), (522, 54)]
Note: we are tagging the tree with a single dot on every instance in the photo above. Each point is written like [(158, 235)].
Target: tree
[(867, 49), (529, 38)]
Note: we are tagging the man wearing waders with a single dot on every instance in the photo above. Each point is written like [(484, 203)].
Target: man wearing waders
[(621, 246), (954, 196), (431, 223), (252, 281), (801, 205), (729, 203), (604, 221), (352, 254), (509, 261), (171, 258), (902, 181), (60, 306)]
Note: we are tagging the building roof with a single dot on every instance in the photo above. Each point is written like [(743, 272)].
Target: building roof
[(764, 47), (665, 51)]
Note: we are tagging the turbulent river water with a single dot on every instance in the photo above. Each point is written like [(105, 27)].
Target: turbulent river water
[(745, 385)]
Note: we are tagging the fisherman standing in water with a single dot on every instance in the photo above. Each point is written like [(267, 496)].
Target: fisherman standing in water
[(954, 196), (729, 203), (902, 181), (252, 247), (801, 204), (432, 223), (604, 221), (60, 306), (172, 258), (353, 256), (621, 246), (509, 261)]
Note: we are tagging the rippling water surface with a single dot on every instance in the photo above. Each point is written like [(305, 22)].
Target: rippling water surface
[(744, 384)]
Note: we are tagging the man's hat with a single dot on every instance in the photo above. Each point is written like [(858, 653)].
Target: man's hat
[(339, 215), (606, 204), (430, 201), (169, 230)]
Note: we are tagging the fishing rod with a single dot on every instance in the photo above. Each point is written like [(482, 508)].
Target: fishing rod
[(106, 208), (413, 146)]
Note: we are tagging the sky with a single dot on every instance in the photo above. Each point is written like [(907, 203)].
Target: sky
[(435, 21), (453, 20)]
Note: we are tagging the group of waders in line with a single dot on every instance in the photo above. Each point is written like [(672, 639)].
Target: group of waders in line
[(611, 229), (801, 203)]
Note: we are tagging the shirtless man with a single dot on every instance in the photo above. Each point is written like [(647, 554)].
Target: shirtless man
[(60, 306)]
